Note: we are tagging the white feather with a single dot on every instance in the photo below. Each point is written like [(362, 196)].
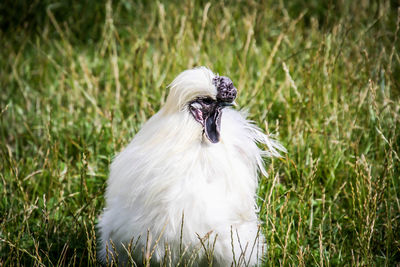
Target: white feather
[(170, 170)]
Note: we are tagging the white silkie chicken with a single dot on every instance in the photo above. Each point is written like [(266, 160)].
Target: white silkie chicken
[(184, 189)]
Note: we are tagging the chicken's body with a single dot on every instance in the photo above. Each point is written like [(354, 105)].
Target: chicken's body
[(171, 187)]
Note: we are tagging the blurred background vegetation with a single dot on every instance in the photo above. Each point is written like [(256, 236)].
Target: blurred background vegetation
[(79, 78)]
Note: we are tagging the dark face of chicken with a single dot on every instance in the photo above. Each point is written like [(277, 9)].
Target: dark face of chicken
[(208, 111)]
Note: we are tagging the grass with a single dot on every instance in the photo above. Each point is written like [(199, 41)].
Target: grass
[(77, 82)]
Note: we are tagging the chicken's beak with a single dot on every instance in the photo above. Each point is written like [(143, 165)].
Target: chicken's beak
[(212, 125), (209, 116)]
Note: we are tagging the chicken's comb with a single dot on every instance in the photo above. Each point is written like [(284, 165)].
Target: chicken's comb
[(226, 92)]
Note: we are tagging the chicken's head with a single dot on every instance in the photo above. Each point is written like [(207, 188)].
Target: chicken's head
[(207, 110), (203, 94)]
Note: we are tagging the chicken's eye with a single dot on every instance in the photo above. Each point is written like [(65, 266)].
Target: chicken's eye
[(208, 100)]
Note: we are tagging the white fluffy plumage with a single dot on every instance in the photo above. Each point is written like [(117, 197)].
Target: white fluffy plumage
[(171, 186)]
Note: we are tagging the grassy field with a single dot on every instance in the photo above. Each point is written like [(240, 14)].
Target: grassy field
[(77, 81)]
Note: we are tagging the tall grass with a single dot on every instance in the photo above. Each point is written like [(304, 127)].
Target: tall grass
[(77, 82)]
